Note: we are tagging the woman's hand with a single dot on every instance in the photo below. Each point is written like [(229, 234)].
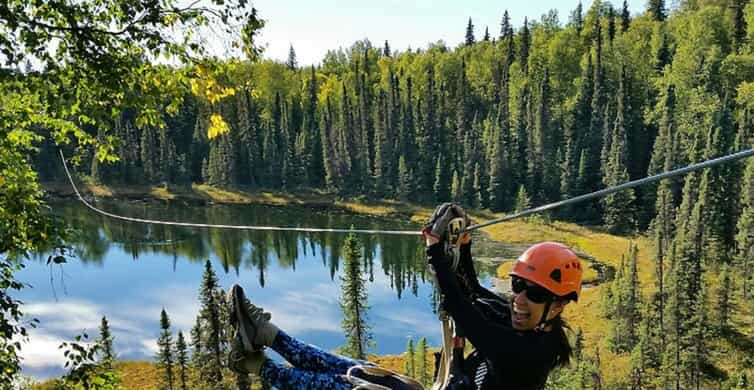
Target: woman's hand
[(437, 228)]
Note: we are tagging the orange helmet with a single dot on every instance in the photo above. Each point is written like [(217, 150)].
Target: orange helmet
[(553, 266)]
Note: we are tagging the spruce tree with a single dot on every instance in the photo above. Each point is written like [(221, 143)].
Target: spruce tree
[(486, 37), (456, 189), (106, 341), (723, 293), (520, 142), (610, 23), (523, 56), (592, 142), (625, 17), (409, 366), (499, 155), (422, 368), (738, 22), (442, 185), (182, 360), (386, 50), (745, 230), (576, 18), (619, 207), (470, 40), (353, 300), (381, 146), (149, 154), (315, 169), (522, 200), (477, 200), (718, 189), (506, 37), (212, 327), (656, 8), (166, 354), (291, 63), (406, 188)]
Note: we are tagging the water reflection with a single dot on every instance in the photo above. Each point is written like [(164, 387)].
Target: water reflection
[(130, 271)]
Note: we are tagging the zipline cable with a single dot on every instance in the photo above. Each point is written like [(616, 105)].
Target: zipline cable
[(237, 227), (620, 187), (577, 199)]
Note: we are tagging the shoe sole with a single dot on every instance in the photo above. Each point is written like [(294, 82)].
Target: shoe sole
[(244, 326)]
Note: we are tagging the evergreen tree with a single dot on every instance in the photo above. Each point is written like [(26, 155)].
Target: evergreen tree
[(522, 200), (618, 207), (442, 181), (463, 118), (291, 63), (520, 142), (406, 187), (353, 300), (106, 341), (486, 37), (524, 49), (212, 328), (738, 21), (610, 23), (149, 154), (577, 18), (166, 354), (457, 187), (591, 180), (625, 17), (745, 229), (197, 347), (571, 183), (663, 155), (656, 8), (470, 40), (381, 146), (661, 48), (386, 50), (723, 306), (506, 37), (422, 368), (499, 156), (477, 200), (409, 366), (315, 168), (182, 360)]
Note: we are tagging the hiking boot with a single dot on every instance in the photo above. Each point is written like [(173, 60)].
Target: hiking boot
[(244, 362), (250, 323)]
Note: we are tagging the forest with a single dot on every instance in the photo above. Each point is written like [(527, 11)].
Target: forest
[(533, 113)]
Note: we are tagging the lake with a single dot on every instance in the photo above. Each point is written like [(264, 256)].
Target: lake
[(130, 271)]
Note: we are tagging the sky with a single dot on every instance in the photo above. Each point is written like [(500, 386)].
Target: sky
[(313, 28)]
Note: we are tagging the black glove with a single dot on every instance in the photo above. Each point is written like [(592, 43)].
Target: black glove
[(438, 223)]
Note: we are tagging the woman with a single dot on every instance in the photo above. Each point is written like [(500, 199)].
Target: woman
[(517, 343)]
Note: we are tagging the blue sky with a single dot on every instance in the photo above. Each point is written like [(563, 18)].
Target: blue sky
[(315, 27)]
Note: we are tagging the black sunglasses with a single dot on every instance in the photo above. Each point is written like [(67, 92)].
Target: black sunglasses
[(534, 293)]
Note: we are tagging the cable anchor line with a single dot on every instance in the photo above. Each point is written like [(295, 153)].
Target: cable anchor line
[(581, 198)]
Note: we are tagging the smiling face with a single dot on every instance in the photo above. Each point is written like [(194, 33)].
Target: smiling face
[(526, 311)]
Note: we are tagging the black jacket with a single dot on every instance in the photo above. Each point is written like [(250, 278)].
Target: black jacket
[(503, 358)]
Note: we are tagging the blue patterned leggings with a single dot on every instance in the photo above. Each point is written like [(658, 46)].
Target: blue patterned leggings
[(312, 368)]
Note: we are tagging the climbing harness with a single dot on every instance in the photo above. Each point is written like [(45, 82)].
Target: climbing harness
[(368, 377)]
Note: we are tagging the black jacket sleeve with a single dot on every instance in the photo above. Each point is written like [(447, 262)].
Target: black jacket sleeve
[(468, 276), (521, 353)]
